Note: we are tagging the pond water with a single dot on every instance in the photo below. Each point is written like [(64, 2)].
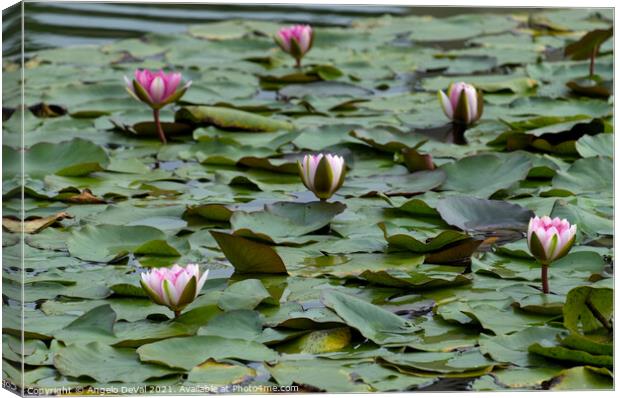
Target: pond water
[(60, 24)]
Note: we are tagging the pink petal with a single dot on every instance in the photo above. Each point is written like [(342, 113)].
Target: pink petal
[(454, 92), (157, 89), (304, 39), (172, 83)]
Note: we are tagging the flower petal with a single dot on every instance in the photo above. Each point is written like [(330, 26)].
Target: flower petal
[(445, 104)]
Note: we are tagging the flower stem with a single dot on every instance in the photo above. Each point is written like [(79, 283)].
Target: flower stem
[(298, 63), (177, 313), (545, 278), (160, 130), (458, 133)]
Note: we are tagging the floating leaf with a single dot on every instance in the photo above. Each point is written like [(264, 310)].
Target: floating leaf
[(589, 43), (582, 378), (319, 341), (112, 364), (230, 118), (472, 214), (73, 158), (105, 243), (483, 175), (371, 321), (245, 294), (187, 352), (33, 225), (247, 256), (281, 220)]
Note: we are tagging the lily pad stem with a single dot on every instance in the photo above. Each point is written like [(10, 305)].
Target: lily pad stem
[(160, 130), (597, 314), (592, 56), (545, 278)]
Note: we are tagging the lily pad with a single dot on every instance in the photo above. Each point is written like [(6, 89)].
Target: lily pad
[(105, 243), (192, 351), (484, 175), (73, 158), (248, 256), (371, 321), (472, 214), (230, 118), (113, 364)]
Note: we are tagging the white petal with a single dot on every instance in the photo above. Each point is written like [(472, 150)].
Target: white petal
[(201, 282), (446, 105), (472, 103)]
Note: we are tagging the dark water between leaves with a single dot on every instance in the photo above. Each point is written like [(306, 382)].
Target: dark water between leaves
[(60, 24)]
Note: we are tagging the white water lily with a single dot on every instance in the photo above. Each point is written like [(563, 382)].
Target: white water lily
[(462, 104), (323, 174), (174, 287)]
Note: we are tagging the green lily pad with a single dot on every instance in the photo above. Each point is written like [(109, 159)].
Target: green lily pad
[(74, 158), (417, 241), (105, 243), (248, 256), (568, 355), (484, 175), (281, 220), (113, 364), (595, 145), (582, 378), (319, 341), (245, 294), (371, 321), (94, 326), (220, 374), (187, 352), (472, 214), (230, 118)]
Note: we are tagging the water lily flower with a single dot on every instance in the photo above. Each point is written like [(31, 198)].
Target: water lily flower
[(174, 287), (548, 240), (323, 174), (295, 40), (463, 104), (156, 89)]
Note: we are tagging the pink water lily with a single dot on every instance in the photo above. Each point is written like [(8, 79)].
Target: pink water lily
[(156, 89), (463, 103), (548, 240), (323, 174), (295, 40), (174, 287)]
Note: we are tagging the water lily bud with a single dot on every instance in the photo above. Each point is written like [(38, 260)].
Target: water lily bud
[(323, 174), (463, 104), (156, 89), (550, 239), (295, 40), (174, 287)]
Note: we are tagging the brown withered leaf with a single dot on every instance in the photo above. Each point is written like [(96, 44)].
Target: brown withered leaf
[(32, 225), (84, 197)]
